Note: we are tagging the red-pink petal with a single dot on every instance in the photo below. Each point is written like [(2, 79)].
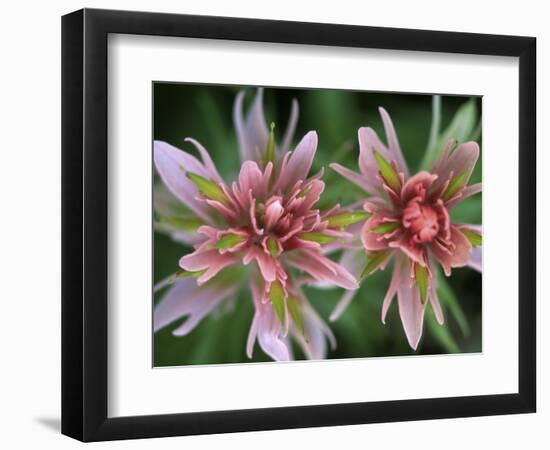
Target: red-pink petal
[(457, 256), (265, 262)]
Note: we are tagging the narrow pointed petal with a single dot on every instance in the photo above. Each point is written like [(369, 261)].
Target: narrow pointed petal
[(356, 178), (393, 143), (353, 261), (252, 178), (390, 293), (411, 309), (459, 163), (467, 192), (267, 328), (210, 260), (298, 164), (368, 143), (265, 262), (172, 164), (252, 131), (207, 160), (290, 128), (436, 306), (476, 261), (322, 269), (458, 256), (187, 298), (316, 334)]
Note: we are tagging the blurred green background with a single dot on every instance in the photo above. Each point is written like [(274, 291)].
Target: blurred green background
[(204, 112)]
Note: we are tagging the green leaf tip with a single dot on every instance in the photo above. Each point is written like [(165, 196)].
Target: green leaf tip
[(346, 219), (421, 275), (473, 237), (229, 240), (454, 185), (189, 224), (386, 227), (185, 274), (374, 261), (277, 297), (272, 247), (387, 171), (270, 151), (317, 237), (294, 308), (207, 188)]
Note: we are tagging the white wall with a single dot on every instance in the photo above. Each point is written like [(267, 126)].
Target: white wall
[(30, 225)]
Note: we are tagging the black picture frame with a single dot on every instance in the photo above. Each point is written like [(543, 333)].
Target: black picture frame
[(84, 224)]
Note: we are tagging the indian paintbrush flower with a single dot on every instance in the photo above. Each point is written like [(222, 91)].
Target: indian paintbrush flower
[(410, 222), (267, 220)]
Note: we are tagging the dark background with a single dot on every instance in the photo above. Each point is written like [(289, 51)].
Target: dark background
[(204, 112)]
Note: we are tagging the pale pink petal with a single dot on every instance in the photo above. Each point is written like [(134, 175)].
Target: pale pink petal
[(461, 160), (393, 142), (266, 327), (187, 298), (411, 309), (390, 293), (316, 331), (207, 161), (321, 268), (356, 178), (172, 164), (252, 132), (211, 260), (476, 260), (298, 164), (290, 128), (273, 212), (369, 141), (436, 306)]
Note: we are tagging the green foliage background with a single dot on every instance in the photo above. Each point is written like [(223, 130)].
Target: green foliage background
[(204, 112)]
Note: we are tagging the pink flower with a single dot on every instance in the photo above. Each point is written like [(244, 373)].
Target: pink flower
[(266, 220), (410, 222)]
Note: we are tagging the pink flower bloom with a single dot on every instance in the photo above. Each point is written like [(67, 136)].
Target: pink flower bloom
[(266, 220), (410, 221)]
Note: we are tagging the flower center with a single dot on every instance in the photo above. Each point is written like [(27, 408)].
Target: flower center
[(422, 221)]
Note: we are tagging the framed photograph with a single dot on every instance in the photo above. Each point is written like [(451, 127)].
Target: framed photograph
[(274, 224)]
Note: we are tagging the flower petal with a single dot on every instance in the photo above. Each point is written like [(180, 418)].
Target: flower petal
[(316, 331), (265, 262), (290, 128), (210, 260), (356, 178), (321, 268), (411, 309), (296, 166), (187, 298), (393, 143), (252, 131), (172, 164), (460, 162), (266, 327), (458, 256), (476, 259)]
